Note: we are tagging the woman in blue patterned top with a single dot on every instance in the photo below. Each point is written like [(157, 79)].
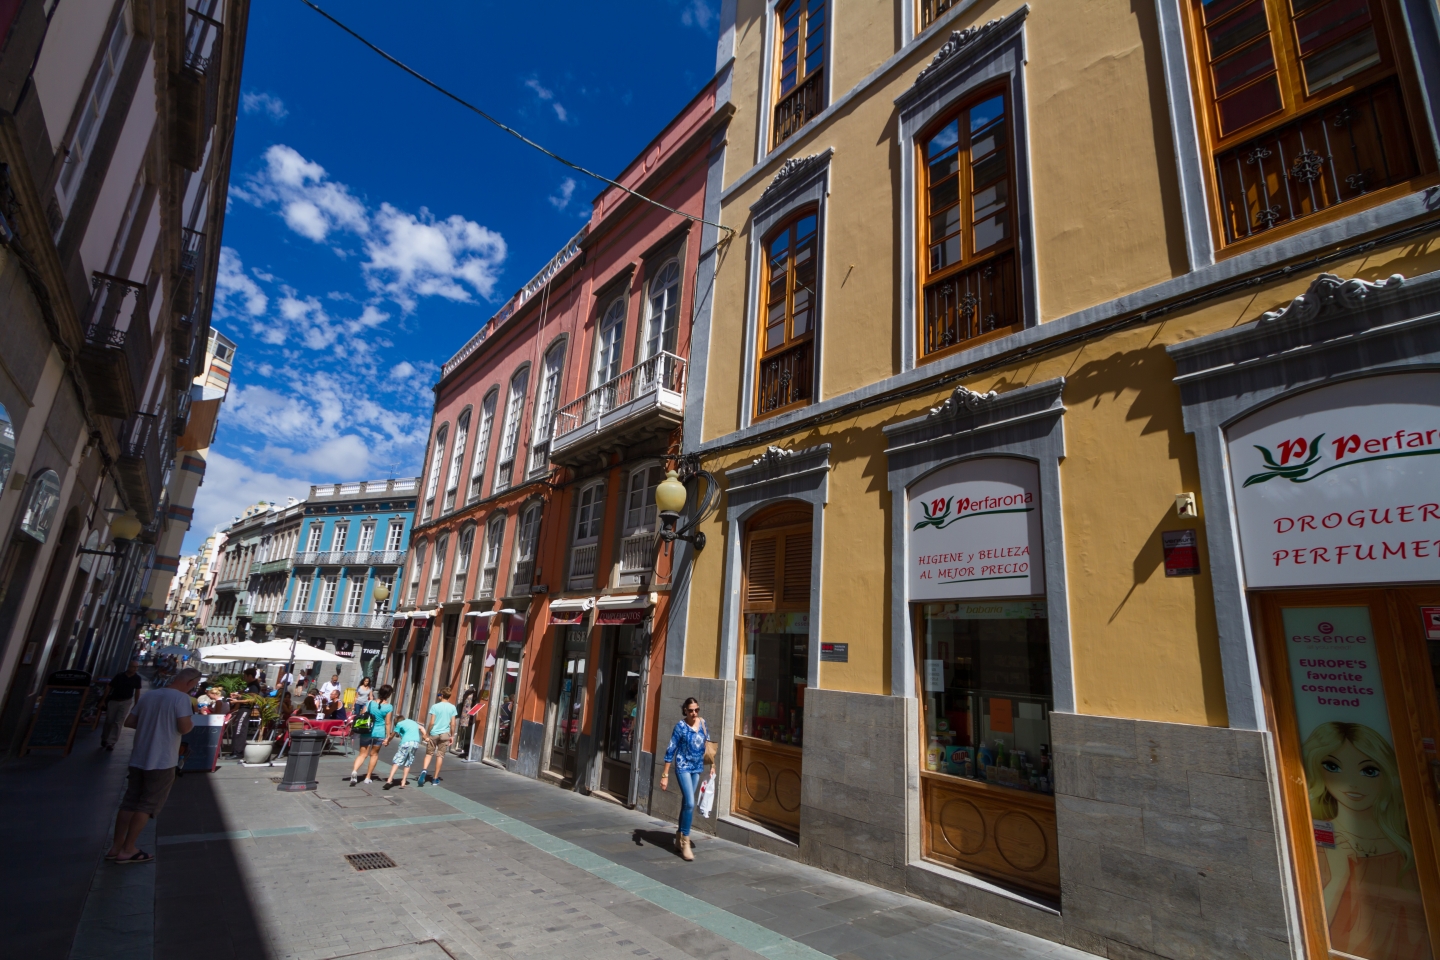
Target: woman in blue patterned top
[(687, 751)]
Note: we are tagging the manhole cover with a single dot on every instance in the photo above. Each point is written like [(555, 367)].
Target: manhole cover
[(277, 779), (369, 861)]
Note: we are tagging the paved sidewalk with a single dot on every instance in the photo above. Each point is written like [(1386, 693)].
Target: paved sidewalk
[(490, 864)]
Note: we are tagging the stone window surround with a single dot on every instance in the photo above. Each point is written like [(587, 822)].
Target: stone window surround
[(800, 183), (1422, 28), (1336, 331), (764, 128), (775, 476), (995, 50), (1026, 423)]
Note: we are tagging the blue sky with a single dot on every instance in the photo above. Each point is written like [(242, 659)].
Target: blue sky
[(374, 225)]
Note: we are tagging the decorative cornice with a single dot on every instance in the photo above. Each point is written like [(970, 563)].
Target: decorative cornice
[(963, 398), (959, 40), (794, 168), (1329, 293), (772, 454)]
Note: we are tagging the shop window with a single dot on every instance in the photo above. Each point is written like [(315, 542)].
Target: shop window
[(788, 316), (800, 68), (968, 232), (983, 663), (774, 668), (1304, 105)]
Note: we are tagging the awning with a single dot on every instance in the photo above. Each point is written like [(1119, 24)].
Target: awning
[(482, 613), (573, 603), (624, 610), (401, 616)]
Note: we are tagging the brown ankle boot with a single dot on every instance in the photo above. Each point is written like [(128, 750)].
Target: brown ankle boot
[(686, 851)]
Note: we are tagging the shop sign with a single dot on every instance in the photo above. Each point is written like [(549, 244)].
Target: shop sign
[(835, 652), (630, 617), (1182, 553), (1430, 616), (345, 648), (1339, 485), (566, 618), (975, 531)]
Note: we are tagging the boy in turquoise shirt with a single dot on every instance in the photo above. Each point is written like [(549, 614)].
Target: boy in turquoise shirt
[(410, 735), (442, 720)]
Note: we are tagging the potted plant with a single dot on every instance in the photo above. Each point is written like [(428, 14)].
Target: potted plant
[(267, 711)]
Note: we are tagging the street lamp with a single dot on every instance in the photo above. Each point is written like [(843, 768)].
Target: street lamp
[(670, 499), (381, 593), (125, 527)]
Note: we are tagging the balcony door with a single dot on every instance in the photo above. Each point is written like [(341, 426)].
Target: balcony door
[(1352, 683)]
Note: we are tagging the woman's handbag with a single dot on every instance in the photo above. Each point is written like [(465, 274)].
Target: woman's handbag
[(711, 748), (363, 723)]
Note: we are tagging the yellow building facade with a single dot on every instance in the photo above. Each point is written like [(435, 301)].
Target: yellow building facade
[(1070, 382)]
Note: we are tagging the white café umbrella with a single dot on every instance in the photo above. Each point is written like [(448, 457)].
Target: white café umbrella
[(227, 652), (284, 651)]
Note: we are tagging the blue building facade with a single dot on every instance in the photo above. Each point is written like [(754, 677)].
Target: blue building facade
[(350, 540)]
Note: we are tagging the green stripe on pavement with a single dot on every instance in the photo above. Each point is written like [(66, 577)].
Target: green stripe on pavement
[(231, 835), (408, 821), (746, 933)]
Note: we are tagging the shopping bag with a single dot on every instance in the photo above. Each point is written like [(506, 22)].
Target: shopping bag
[(707, 796)]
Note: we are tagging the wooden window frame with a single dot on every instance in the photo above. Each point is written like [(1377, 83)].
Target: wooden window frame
[(1297, 104), (788, 100), (791, 341), (969, 260)]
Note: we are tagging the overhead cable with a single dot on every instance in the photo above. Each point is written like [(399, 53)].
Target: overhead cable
[(508, 129)]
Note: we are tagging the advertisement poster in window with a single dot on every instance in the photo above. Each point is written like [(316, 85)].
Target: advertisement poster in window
[(1367, 862)]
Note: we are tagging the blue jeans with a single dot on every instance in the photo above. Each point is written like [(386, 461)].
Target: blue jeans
[(689, 787)]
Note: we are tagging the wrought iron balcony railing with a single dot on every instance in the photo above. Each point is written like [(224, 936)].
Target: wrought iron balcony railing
[(117, 351), (787, 379), (637, 556), (582, 565), (971, 303), (348, 621), (662, 372), (798, 108)]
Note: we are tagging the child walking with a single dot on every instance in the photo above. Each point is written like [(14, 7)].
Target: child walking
[(410, 734)]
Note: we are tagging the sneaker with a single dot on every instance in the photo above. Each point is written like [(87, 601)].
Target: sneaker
[(436, 779), (420, 780), (354, 779), (388, 784), (368, 780)]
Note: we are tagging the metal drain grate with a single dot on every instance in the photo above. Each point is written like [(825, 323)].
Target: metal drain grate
[(369, 861), (277, 779)]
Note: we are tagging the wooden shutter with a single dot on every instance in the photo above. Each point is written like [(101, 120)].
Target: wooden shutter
[(760, 574), (795, 577)]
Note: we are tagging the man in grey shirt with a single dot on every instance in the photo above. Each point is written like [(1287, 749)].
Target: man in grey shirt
[(160, 719)]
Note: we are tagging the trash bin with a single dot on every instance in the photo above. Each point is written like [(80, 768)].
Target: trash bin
[(303, 762)]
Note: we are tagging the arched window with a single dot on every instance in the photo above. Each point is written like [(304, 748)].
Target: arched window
[(969, 233), (437, 568), (482, 443), (585, 552), (800, 71), (788, 317), (662, 311), (490, 561), (526, 539), (609, 344), (457, 460), (510, 433), (462, 562), (417, 563), (543, 425), (437, 457)]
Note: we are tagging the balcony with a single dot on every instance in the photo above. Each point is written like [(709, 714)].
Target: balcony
[(117, 351), (349, 558), (229, 583), (637, 557), (521, 584), (486, 590), (346, 621), (798, 108), (141, 467), (643, 403), (273, 566), (366, 488), (582, 566), (242, 609), (261, 617), (196, 87)]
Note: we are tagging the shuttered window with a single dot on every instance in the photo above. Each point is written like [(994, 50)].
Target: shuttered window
[(777, 568)]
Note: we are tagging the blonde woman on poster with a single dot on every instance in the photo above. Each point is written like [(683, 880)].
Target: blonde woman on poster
[(1372, 895)]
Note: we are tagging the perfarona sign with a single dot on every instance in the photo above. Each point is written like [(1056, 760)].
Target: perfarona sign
[(974, 531), (1341, 484)]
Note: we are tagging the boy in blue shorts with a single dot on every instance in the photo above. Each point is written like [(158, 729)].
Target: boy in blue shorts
[(410, 734)]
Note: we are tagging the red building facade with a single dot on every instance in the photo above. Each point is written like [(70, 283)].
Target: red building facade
[(537, 585)]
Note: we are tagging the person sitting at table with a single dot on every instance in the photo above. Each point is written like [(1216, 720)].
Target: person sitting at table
[(287, 707), (308, 708)]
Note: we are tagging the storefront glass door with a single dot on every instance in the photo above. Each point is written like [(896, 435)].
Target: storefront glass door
[(569, 703), (1352, 684), (509, 686), (623, 695)]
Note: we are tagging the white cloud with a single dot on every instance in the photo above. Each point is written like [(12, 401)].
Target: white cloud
[(402, 370), (409, 255), (235, 288), (547, 95), (229, 487), (697, 13), (312, 204), (560, 199), (418, 256), (273, 107)]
